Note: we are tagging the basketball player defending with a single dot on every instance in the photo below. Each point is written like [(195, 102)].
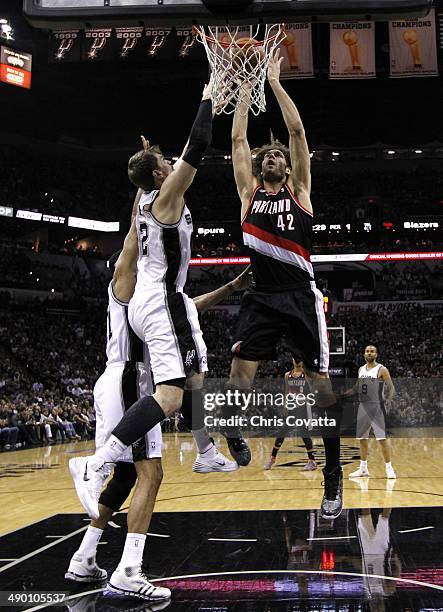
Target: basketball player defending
[(127, 377), (159, 312), (276, 218), (295, 384), (373, 385)]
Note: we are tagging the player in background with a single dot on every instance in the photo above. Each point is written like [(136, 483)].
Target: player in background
[(295, 384), (276, 219), (373, 386)]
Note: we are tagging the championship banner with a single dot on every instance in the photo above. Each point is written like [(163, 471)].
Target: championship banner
[(15, 67), (65, 46), (296, 50), (129, 42), (97, 44), (413, 47), (351, 50)]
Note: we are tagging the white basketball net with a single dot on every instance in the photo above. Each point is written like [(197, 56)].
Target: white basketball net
[(237, 56)]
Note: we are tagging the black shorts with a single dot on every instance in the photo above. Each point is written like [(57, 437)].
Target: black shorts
[(297, 314)]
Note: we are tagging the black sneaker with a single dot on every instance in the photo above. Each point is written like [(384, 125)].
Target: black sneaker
[(332, 502), (239, 450)]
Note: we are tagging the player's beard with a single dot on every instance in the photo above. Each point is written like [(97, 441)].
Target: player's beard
[(273, 175)]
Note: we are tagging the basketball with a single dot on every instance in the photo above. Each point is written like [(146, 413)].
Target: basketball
[(246, 52)]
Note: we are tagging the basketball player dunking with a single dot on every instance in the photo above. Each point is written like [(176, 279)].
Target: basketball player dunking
[(373, 386), (276, 218), (295, 384)]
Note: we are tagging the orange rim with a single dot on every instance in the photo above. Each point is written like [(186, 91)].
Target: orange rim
[(213, 41)]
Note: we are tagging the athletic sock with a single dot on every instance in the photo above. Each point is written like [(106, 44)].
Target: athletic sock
[(110, 452), (210, 451), (138, 420), (88, 546), (133, 551), (203, 441), (364, 465), (388, 465)]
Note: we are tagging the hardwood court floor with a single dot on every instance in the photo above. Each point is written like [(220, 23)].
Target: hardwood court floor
[(36, 483)]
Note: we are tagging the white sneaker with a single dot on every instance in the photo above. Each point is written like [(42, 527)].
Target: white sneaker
[(360, 472), (132, 582), (268, 465), (88, 483), (85, 569), (390, 472), (216, 463), (310, 466)]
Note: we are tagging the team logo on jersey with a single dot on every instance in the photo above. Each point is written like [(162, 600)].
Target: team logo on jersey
[(190, 356)]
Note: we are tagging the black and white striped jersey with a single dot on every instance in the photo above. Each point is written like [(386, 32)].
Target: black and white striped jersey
[(164, 250), (278, 230), (122, 343)]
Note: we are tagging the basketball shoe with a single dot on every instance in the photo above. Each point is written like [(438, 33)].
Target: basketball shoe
[(133, 582), (310, 466), (85, 569), (239, 450), (89, 480), (213, 461), (361, 472), (390, 473), (332, 502)]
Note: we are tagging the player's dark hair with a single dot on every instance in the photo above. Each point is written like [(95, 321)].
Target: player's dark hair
[(141, 165), (259, 153), (374, 345)]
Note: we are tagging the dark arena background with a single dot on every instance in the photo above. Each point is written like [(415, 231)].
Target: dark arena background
[(80, 81)]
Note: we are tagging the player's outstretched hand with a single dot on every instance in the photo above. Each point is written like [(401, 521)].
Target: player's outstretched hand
[(145, 143), (274, 66), (243, 280)]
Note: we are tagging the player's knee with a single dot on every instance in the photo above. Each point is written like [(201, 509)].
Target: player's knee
[(150, 472), (169, 397), (195, 382)]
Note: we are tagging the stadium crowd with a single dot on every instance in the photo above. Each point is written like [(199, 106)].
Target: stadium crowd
[(340, 196), (50, 362)]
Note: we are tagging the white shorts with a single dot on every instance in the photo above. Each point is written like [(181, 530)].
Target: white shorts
[(115, 391), (168, 323), (371, 416)]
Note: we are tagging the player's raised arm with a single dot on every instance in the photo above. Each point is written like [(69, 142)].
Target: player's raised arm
[(180, 179), (300, 160), (208, 300), (241, 153), (123, 281)]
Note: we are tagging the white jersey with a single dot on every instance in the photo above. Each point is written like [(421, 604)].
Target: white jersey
[(164, 250), (122, 343), (370, 386)]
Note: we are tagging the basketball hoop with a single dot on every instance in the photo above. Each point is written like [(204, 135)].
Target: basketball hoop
[(239, 56)]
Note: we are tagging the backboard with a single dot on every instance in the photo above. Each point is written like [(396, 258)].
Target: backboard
[(53, 14)]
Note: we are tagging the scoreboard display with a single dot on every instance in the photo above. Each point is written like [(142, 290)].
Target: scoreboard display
[(15, 67), (56, 14)]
